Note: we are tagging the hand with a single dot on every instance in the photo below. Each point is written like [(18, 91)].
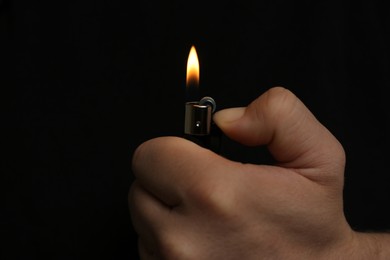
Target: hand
[(189, 203)]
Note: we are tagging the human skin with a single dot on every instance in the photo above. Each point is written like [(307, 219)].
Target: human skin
[(190, 203)]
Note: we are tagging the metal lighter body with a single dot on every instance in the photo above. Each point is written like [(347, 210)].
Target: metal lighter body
[(197, 119), (198, 125)]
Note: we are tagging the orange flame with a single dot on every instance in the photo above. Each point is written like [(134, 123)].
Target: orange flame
[(193, 68)]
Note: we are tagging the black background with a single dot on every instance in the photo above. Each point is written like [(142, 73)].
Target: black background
[(88, 81)]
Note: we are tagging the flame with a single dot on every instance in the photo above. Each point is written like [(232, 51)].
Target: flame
[(193, 68)]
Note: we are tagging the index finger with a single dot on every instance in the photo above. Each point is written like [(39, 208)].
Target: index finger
[(168, 166)]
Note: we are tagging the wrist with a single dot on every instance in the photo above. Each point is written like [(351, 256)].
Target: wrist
[(372, 245), (358, 245)]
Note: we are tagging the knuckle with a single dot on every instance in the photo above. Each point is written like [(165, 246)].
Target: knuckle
[(276, 103), (144, 155), (153, 151), (340, 154), (280, 101), (336, 168), (172, 246), (213, 197), (138, 156)]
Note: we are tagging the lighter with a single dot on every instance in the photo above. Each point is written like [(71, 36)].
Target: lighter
[(198, 123)]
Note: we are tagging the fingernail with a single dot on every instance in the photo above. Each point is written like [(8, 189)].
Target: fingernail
[(228, 115)]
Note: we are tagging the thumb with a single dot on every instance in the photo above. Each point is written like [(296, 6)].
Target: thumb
[(281, 121)]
